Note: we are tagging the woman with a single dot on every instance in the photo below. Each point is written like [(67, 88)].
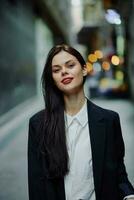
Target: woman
[(75, 148)]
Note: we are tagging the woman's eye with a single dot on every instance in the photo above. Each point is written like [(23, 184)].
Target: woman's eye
[(56, 70), (71, 65)]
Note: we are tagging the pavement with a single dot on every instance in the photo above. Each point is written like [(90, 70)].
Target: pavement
[(13, 150), (13, 145)]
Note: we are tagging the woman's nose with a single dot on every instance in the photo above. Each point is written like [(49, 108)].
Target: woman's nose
[(64, 71)]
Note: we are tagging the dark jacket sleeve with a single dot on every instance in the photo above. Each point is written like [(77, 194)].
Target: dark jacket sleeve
[(35, 185), (125, 187)]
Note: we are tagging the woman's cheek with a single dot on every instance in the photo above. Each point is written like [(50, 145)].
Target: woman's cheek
[(56, 79)]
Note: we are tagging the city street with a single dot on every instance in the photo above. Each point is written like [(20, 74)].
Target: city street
[(49, 48), (13, 150)]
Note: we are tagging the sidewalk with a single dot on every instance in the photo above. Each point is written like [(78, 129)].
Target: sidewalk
[(15, 117), (13, 151)]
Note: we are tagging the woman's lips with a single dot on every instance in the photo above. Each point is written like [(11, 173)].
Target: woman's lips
[(67, 80)]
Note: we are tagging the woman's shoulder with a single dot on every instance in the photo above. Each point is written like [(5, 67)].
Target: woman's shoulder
[(37, 117), (35, 128), (105, 112)]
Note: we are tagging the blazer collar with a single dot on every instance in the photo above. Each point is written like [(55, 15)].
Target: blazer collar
[(81, 116)]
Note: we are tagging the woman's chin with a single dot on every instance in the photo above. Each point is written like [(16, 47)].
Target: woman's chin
[(72, 91)]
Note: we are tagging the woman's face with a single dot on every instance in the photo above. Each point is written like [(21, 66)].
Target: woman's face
[(67, 72)]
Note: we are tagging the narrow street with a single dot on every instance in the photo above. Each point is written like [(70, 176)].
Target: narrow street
[(46, 45), (13, 151)]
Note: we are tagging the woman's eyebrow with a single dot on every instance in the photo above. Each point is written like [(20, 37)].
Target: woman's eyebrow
[(53, 66), (68, 61)]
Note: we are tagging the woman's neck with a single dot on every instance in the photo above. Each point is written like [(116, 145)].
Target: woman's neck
[(74, 102)]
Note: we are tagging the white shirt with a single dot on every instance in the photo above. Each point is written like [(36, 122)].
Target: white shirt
[(79, 182)]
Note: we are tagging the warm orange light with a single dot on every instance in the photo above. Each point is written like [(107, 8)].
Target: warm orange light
[(98, 54), (89, 67), (115, 60), (105, 65), (92, 58)]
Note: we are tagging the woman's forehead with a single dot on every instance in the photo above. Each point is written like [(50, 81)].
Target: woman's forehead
[(62, 57)]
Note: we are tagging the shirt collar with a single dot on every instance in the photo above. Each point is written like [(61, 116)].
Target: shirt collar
[(81, 116)]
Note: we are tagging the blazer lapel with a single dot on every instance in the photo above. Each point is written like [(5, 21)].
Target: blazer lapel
[(97, 137)]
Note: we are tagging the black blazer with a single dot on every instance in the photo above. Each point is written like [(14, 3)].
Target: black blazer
[(110, 177)]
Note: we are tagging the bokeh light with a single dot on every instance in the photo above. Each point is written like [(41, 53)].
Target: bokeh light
[(97, 67), (106, 65), (89, 67), (92, 58), (115, 60), (119, 75), (98, 54)]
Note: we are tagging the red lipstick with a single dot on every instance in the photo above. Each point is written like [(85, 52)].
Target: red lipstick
[(67, 80)]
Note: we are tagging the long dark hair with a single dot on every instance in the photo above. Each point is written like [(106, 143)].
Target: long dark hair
[(53, 137)]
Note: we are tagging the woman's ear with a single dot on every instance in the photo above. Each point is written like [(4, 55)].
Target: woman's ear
[(84, 70)]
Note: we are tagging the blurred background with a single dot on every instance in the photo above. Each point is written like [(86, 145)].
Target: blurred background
[(101, 30)]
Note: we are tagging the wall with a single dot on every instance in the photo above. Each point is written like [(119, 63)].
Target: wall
[(17, 53)]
